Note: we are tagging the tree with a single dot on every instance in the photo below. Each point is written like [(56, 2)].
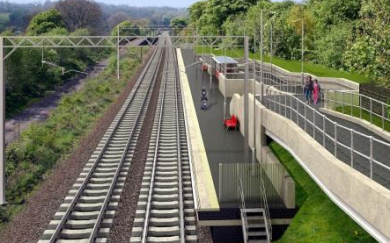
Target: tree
[(79, 14), (371, 51), (179, 23), (117, 18), (126, 28), (196, 10), (45, 22)]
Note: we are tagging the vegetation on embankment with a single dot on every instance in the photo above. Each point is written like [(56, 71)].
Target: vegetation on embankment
[(28, 78), (43, 145), (351, 35), (318, 219), (293, 65)]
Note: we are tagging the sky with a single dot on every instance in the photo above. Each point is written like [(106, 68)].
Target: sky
[(137, 3)]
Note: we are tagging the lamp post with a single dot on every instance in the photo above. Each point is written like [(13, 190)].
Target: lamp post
[(254, 87), (272, 43), (261, 49), (302, 45)]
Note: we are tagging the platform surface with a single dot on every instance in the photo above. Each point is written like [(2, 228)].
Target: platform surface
[(221, 146), (207, 198)]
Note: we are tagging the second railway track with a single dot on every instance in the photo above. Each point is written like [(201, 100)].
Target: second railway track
[(165, 210)]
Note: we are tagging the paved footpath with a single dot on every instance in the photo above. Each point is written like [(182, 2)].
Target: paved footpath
[(360, 143)]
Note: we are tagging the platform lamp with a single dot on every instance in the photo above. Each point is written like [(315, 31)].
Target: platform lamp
[(261, 49), (271, 38)]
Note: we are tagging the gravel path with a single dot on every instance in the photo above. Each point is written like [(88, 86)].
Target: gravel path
[(31, 222), (40, 110), (123, 222)]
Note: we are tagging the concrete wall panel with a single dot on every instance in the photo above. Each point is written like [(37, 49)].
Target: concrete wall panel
[(366, 201)]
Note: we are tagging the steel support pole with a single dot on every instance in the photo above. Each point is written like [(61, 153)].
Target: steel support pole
[(2, 125), (211, 71), (246, 102), (224, 96), (254, 115), (271, 51), (303, 52), (118, 56)]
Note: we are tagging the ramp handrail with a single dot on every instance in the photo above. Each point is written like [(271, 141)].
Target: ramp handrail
[(267, 220), (355, 101), (315, 124)]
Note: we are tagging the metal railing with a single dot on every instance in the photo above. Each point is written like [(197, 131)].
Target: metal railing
[(270, 175), (244, 216), (377, 112), (362, 152), (267, 215)]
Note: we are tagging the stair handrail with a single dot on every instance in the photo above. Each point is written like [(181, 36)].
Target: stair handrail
[(243, 211), (267, 220)]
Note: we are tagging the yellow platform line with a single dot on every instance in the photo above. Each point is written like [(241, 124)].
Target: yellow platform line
[(205, 189)]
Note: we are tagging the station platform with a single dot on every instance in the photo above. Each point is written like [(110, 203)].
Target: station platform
[(220, 146), (211, 145)]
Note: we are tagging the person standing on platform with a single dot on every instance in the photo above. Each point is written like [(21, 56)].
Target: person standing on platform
[(204, 99)]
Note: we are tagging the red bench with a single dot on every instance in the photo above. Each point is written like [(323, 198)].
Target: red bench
[(231, 123)]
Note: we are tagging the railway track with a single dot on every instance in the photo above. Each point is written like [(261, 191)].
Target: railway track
[(87, 213), (165, 209)]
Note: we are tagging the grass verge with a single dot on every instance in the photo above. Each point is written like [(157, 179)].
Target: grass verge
[(355, 112), (318, 219), (43, 145), (293, 65)]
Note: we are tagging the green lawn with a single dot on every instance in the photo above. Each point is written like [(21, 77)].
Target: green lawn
[(376, 120), (318, 220), (293, 65)]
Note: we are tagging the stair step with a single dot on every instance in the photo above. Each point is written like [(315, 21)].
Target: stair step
[(256, 225), (256, 233)]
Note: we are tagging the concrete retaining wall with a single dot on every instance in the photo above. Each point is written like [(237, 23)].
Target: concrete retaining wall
[(367, 202), (325, 82)]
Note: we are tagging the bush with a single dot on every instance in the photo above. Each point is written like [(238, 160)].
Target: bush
[(43, 145)]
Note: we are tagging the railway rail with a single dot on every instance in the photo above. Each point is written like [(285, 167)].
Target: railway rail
[(165, 209), (87, 213)]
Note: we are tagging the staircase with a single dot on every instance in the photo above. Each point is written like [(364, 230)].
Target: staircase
[(256, 222), (254, 225)]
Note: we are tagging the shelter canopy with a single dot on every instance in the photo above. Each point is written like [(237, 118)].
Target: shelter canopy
[(224, 60)]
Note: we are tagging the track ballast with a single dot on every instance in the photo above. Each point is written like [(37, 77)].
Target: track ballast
[(165, 210), (87, 213)]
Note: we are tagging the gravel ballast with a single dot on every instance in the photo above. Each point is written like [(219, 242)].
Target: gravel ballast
[(31, 222)]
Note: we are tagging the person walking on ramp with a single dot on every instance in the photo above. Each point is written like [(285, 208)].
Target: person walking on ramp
[(308, 89), (316, 91)]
